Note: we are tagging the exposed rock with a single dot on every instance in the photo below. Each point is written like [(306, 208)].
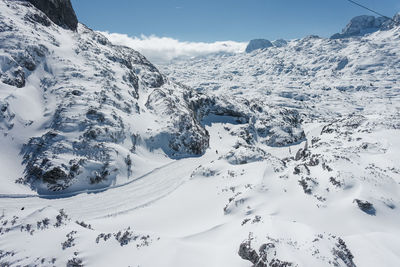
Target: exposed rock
[(392, 23), (365, 206), (58, 11), (342, 253), (244, 154), (75, 262), (38, 18), (261, 122), (246, 252), (308, 184), (361, 25), (90, 131), (20, 62), (301, 153), (344, 126), (266, 256), (14, 77), (6, 116)]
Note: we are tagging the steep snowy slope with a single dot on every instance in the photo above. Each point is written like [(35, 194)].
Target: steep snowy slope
[(281, 157), (75, 102), (82, 106)]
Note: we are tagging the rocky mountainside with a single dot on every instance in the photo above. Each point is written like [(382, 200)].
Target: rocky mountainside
[(90, 102), (70, 100), (285, 156), (58, 11)]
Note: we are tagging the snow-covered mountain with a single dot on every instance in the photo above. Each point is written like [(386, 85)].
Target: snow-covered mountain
[(364, 24), (76, 104), (344, 180), (258, 44), (285, 156), (84, 109)]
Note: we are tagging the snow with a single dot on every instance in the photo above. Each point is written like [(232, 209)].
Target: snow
[(298, 196)]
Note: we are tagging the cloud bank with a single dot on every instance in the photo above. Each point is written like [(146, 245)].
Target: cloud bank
[(163, 49)]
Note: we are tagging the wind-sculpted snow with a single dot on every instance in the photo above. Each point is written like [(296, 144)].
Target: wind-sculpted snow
[(91, 94), (280, 157), (261, 122), (308, 75), (344, 93)]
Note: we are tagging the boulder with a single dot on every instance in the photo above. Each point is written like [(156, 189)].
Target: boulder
[(365, 206)]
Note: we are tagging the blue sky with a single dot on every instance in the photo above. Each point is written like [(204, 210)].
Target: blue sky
[(213, 20)]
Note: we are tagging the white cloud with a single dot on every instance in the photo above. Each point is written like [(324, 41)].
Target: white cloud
[(163, 49)]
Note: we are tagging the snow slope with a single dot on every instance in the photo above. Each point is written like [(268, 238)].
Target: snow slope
[(74, 107), (295, 161)]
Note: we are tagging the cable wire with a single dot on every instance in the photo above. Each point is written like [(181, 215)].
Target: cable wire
[(373, 11)]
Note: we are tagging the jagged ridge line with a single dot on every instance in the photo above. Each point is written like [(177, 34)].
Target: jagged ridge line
[(369, 9)]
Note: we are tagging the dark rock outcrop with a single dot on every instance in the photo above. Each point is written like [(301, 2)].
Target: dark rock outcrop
[(265, 257), (246, 252), (365, 206), (342, 253), (58, 11)]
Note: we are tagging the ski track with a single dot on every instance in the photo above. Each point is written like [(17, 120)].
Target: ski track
[(134, 194)]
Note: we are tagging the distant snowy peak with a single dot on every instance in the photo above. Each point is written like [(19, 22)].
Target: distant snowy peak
[(364, 24), (256, 44), (279, 43), (358, 26)]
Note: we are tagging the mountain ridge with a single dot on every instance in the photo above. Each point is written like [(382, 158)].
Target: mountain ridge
[(285, 156), (89, 145)]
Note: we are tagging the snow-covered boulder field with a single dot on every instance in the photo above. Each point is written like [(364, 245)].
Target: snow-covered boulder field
[(285, 156)]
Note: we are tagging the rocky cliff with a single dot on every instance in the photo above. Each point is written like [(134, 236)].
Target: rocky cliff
[(58, 11)]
